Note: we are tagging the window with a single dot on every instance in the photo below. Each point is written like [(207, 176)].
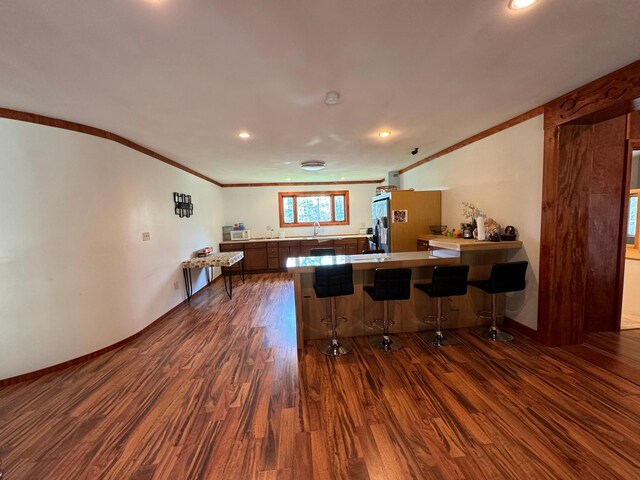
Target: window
[(633, 242), (306, 208)]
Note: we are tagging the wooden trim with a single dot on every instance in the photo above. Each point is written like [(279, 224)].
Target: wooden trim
[(96, 132), (520, 328), (478, 136), (621, 87), (332, 194), (297, 184), (89, 356)]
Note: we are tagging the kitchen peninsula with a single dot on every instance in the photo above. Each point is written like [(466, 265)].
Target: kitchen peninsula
[(361, 311)]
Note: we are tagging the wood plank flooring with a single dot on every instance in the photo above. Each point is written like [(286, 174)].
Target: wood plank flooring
[(216, 391)]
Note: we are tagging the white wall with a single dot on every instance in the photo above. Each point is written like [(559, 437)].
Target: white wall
[(501, 175), (75, 274), (257, 208), (630, 298)]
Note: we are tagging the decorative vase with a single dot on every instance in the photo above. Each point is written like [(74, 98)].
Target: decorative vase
[(481, 231)]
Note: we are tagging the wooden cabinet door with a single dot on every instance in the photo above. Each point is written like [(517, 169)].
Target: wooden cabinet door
[(340, 249), (363, 245), (255, 259)]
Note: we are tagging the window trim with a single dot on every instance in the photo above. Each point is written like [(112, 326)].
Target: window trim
[(332, 194)]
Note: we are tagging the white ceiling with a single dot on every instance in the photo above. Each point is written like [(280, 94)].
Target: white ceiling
[(183, 77)]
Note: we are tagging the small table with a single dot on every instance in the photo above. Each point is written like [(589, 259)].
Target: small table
[(224, 260)]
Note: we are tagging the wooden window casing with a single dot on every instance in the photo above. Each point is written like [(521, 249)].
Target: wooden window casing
[(295, 195)]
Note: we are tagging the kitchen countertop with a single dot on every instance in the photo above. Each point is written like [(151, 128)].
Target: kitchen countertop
[(371, 261), (319, 238), (469, 244)]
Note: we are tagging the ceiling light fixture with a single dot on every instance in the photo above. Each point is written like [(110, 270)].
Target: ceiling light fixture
[(312, 166), (244, 135), (384, 134), (520, 4), (332, 98)]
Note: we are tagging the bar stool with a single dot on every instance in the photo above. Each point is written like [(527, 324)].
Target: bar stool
[(322, 252), (388, 284), (446, 281), (333, 281), (505, 277)]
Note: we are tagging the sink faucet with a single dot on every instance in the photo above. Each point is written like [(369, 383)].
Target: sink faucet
[(316, 228)]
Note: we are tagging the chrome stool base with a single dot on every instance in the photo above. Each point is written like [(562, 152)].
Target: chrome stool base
[(388, 343), (438, 339), (492, 334), (334, 347)]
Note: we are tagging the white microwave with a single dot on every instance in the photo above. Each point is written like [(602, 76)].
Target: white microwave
[(240, 234)]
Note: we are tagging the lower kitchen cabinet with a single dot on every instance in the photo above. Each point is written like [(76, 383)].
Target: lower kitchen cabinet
[(256, 257), (271, 256)]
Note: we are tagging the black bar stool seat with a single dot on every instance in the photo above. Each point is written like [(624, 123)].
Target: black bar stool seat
[(388, 284), (447, 281), (322, 252), (505, 277), (375, 250), (331, 281)]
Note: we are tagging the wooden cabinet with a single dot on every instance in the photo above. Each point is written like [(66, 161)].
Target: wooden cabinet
[(256, 257), (288, 249), (346, 246), (422, 246), (363, 245), (273, 256)]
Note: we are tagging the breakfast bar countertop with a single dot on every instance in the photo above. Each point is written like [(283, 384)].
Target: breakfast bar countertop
[(376, 260), (469, 244)]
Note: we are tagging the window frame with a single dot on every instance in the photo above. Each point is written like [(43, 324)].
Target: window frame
[(295, 195)]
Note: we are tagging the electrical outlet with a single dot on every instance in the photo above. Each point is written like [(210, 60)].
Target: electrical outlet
[(175, 285), (268, 228), (146, 236), (363, 224)]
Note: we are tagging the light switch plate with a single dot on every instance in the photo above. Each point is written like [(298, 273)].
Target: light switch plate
[(146, 236)]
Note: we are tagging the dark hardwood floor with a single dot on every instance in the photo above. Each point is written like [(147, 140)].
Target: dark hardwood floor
[(216, 392)]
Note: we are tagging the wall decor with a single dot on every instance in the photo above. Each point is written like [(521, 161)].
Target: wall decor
[(400, 216), (183, 205)]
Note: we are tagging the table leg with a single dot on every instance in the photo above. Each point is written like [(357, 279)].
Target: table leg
[(226, 272), (186, 272)]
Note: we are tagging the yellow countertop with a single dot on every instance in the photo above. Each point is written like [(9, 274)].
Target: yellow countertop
[(469, 245)]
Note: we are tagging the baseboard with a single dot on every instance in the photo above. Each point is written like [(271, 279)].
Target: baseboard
[(75, 361), (520, 328)]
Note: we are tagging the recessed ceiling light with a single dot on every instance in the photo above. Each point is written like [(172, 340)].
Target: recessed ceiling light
[(384, 134), (288, 179), (332, 98), (519, 4), (312, 166), (244, 135), (342, 178)]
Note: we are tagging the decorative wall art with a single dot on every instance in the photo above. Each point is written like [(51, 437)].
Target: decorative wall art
[(183, 205), (400, 216)]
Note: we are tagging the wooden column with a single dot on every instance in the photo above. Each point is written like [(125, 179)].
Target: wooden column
[(583, 207)]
